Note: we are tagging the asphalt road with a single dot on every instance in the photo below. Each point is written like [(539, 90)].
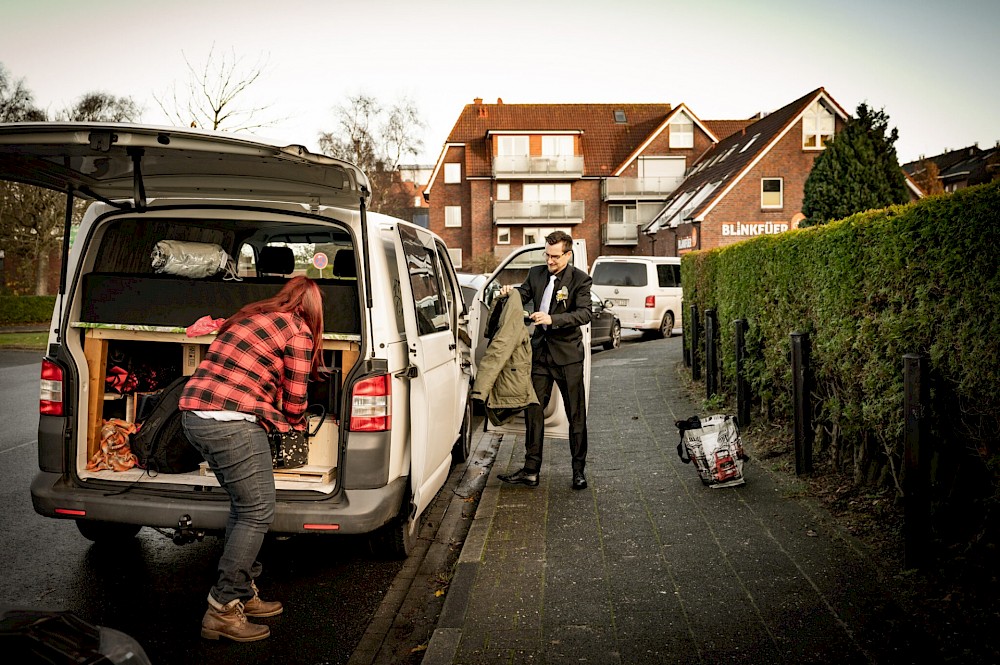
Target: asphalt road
[(154, 590)]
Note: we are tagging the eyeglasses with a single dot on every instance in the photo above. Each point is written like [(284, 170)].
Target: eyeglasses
[(555, 257)]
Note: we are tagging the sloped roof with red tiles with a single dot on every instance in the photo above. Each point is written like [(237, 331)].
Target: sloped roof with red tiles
[(723, 129), (605, 143)]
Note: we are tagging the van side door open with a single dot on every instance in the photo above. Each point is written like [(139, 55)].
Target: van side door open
[(437, 394)]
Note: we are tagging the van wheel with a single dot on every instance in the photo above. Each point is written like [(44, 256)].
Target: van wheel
[(463, 446), (394, 540), (667, 325), (106, 532), (616, 337)]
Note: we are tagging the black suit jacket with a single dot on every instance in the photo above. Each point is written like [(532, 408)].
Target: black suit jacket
[(570, 308)]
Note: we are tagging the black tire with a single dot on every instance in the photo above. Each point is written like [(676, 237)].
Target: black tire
[(463, 446), (394, 540), (667, 325), (106, 532), (616, 337)]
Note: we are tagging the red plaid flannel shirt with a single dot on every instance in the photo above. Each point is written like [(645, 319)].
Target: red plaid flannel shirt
[(259, 366)]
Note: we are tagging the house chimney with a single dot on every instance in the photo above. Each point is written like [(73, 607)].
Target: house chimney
[(499, 101), (477, 101)]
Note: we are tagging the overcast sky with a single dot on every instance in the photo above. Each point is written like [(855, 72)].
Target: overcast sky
[(931, 66)]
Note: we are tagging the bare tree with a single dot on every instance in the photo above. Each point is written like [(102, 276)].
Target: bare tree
[(210, 98), (102, 107), (17, 103), (377, 138), (32, 219)]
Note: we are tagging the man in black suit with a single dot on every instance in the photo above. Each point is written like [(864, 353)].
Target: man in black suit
[(561, 294)]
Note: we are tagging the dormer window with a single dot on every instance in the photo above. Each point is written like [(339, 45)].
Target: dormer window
[(817, 126), (682, 131), (620, 116)]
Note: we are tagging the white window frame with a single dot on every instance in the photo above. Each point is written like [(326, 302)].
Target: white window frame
[(547, 191), (682, 131), (818, 126), (456, 257), (503, 235), (557, 145), (503, 191), (453, 217), (452, 173), (539, 233), (781, 194), (622, 214), (513, 146)]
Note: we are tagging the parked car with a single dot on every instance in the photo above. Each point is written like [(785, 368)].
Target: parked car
[(471, 283), (145, 265), (645, 291), (605, 329)]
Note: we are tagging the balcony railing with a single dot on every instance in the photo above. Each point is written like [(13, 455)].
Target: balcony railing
[(630, 188), (524, 166), (533, 212), (620, 234)]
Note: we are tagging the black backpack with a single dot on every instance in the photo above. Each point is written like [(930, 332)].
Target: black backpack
[(160, 444)]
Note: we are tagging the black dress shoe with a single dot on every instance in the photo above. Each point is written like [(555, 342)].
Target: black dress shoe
[(521, 477), (579, 480)]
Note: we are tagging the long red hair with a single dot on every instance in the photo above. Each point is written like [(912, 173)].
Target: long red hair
[(301, 296)]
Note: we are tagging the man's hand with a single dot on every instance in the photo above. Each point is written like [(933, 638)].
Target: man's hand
[(541, 318), (505, 290)]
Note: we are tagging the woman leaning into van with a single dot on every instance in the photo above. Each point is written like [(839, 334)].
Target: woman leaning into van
[(252, 381)]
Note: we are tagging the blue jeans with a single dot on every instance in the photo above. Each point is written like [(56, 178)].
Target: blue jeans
[(239, 455)]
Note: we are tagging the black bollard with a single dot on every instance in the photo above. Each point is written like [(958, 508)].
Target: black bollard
[(685, 339), (693, 346), (803, 413), (916, 484), (710, 360), (742, 387)]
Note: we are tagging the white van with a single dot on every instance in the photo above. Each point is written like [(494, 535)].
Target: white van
[(643, 291), (394, 318)]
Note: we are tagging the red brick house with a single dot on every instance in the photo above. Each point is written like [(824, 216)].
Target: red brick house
[(627, 178)]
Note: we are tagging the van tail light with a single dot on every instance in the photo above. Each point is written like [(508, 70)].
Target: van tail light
[(371, 404), (50, 396), (650, 302)]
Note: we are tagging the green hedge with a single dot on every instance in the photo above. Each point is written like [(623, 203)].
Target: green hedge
[(26, 309), (921, 278)]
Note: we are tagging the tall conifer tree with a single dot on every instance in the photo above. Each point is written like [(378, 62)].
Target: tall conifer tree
[(857, 171)]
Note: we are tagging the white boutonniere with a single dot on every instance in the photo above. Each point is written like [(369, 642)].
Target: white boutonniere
[(562, 294)]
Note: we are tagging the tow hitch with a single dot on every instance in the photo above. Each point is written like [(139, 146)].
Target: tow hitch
[(184, 534)]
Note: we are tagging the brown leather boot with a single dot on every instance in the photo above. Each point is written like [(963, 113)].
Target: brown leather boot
[(257, 607), (230, 622)]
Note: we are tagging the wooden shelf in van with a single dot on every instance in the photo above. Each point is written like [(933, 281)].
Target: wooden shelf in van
[(95, 348)]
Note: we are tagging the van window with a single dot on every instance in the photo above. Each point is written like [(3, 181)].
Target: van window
[(669, 275), (620, 274), (425, 273)]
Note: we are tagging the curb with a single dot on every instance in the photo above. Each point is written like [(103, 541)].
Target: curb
[(444, 642), (444, 526)]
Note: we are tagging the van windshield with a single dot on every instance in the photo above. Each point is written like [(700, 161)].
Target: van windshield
[(619, 274)]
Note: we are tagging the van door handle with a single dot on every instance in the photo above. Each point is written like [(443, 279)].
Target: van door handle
[(452, 346)]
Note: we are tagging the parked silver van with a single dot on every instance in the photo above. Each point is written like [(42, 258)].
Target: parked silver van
[(644, 291), (166, 199)]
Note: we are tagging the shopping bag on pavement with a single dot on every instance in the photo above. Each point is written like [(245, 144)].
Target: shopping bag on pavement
[(715, 447)]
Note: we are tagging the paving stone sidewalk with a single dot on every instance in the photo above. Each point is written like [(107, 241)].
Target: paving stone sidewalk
[(647, 565)]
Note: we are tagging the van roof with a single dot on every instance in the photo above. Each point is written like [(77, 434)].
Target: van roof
[(650, 259)]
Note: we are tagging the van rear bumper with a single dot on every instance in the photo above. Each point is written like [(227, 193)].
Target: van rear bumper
[(353, 511)]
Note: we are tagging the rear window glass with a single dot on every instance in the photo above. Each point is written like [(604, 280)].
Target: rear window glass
[(669, 275), (620, 274)]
